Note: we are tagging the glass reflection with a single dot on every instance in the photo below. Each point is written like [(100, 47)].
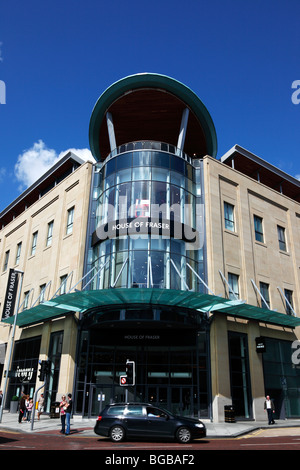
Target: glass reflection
[(139, 266), (139, 274)]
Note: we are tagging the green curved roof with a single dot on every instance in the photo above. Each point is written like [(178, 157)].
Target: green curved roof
[(82, 301), (150, 80)]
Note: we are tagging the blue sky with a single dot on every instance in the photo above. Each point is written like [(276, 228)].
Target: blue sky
[(56, 58)]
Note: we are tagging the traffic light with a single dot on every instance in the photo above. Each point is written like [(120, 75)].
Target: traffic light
[(123, 381), (44, 370), (130, 372)]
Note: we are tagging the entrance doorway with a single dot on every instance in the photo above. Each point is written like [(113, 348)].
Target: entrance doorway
[(240, 375), (176, 399), (96, 399), (171, 371)]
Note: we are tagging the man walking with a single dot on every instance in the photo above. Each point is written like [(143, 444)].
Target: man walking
[(270, 408)]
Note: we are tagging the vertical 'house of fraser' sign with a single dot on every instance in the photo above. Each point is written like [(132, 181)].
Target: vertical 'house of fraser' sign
[(11, 294)]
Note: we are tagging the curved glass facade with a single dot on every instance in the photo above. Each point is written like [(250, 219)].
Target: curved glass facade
[(144, 233), (158, 188)]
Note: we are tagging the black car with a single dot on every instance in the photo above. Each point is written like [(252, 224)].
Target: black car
[(121, 421)]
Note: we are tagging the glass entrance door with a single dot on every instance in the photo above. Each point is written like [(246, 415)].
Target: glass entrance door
[(176, 399), (171, 369), (240, 375), (181, 402), (158, 396), (96, 399)]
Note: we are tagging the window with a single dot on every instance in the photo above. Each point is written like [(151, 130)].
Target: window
[(281, 238), (63, 284), (233, 281), (229, 216), (70, 220), (55, 353), (264, 290), (134, 410), (6, 258), (155, 413), (240, 374), (258, 229), (288, 301), (50, 233), (42, 293), (26, 300), (18, 254), (34, 242), (116, 410)]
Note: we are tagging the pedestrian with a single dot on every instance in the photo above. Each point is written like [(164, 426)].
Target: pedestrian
[(1, 397), (29, 409), (41, 402), (270, 409), (68, 413), (22, 407), (62, 407), (25, 409)]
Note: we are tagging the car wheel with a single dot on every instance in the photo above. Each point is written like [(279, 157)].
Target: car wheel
[(184, 435), (117, 433)]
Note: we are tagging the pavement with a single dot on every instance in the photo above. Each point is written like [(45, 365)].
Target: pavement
[(85, 427)]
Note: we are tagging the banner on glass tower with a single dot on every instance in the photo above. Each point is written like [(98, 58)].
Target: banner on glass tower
[(142, 226)]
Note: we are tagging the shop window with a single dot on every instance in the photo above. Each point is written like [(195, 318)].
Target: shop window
[(25, 365), (55, 352), (239, 374), (282, 378)]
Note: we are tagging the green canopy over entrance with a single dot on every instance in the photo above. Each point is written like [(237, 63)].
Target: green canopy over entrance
[(83, 301)]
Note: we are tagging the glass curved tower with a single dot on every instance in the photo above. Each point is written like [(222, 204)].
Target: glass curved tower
[(146, 219), (148, 133), (148, 228)]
